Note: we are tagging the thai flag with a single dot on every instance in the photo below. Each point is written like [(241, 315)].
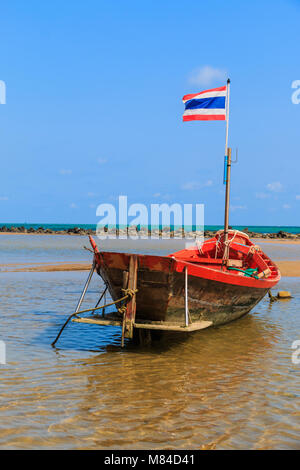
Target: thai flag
[(208, 105)]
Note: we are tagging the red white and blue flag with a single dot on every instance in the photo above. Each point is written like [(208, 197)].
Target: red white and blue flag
[(208, 105)]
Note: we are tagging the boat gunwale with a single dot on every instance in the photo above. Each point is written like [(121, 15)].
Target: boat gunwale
[(206, 272)]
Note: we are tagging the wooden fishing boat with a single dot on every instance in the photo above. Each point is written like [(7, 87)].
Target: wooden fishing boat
[(188, 290)]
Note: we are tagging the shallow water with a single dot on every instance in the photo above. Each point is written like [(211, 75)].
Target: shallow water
[(22, 248), (230, 387)]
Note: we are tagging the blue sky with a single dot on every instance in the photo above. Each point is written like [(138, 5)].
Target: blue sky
[(93, 107)]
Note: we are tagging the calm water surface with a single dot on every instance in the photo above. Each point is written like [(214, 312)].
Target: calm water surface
[(230, 387)]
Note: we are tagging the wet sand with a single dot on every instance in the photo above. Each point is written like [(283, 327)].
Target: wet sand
[(48, 268), (52, 254), (289, 268), (286, 241)]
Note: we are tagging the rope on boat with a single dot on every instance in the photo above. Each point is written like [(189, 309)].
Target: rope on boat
[(248, 272), (129, 293), (227, 245)]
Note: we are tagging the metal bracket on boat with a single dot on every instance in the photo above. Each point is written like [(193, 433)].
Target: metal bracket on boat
[(100, 298), (225, 169), (128, 308), (186, 298), (88, 249), (79, 302), (236, 156)]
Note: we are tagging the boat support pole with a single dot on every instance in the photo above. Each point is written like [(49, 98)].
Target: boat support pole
[(79, 301), (86, 286), (130, 310), (186, 297), (227, 200)]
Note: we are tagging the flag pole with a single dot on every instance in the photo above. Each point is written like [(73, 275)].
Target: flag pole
[(227, 115), (227, 168)]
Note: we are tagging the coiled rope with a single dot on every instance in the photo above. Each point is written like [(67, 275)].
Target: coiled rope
[(248, 272)]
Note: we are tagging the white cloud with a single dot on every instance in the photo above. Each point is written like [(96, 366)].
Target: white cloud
[(166, 197), (73, 205), (3, 198), (63, 171), (90, 194), (192, 185), (276, 187), (206, 75), (2, 92), (101, 161), (236, 208), (286, 206), (262, 195), (298, 197)]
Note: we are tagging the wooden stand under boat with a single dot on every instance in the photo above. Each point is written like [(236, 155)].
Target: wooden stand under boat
[(113, 320)]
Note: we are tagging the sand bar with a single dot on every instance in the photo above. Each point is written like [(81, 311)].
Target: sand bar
[(287, 268)]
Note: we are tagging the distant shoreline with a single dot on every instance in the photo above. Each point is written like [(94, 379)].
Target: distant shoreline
[(281, 235), (259, 238)]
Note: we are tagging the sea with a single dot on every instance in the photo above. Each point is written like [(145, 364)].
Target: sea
[(253, 228), (232, 387)]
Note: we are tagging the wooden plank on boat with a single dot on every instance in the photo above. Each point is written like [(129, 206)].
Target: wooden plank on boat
[(149, 325), (99, 321), (235, 263), (200, 325)]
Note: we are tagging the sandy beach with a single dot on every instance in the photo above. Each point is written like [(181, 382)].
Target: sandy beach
[(45, 268), (42, 254), (289, 268), (284, 252)]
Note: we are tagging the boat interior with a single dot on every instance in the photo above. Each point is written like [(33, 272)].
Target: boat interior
[(238, 255)]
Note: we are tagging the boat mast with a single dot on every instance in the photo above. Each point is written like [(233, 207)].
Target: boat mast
[(227, 168)]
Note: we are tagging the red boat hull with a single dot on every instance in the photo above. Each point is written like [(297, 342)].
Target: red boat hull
[(215, 293)]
